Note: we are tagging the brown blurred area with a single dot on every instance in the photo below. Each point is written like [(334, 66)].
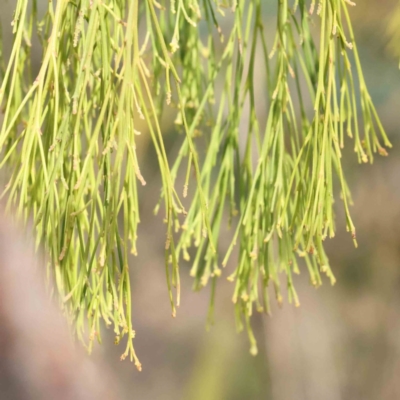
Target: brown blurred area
[(343, 343)]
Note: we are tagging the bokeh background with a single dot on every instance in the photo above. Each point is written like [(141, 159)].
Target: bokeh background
[(343, 343)]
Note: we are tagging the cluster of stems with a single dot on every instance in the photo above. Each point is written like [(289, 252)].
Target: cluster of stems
[(111, 70)]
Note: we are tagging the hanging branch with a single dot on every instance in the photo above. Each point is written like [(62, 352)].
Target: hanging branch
[(111, 68)]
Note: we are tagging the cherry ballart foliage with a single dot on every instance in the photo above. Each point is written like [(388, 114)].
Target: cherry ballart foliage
[(110, 70)]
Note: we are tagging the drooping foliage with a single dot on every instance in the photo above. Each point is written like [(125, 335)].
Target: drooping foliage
[(112, 69)]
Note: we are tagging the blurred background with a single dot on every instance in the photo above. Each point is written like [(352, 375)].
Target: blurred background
[(343, 343)]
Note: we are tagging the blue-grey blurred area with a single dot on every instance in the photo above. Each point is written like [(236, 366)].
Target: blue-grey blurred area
[(343, 343)]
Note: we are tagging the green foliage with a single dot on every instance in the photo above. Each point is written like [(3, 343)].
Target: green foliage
[(111, 68), (394, 32)]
